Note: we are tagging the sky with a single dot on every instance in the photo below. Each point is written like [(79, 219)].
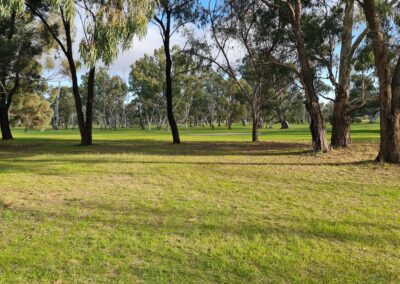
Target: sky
[(146, 45)]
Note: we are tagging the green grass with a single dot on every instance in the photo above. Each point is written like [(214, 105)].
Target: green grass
[(135, 208), (364, 132)]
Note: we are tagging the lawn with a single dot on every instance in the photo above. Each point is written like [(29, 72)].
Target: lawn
[(216, 209)]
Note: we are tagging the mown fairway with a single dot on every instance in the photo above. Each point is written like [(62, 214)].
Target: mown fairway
[(135, 208)]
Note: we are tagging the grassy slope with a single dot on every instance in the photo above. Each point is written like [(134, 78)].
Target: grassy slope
[(135, 208)]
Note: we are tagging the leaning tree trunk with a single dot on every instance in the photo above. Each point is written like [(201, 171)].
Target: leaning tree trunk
[(85, 140), (5, 124), (317, 125), (78, 105), (77, 96)]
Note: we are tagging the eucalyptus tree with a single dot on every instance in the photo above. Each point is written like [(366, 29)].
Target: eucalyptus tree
[(107, 26), (364, 91), (31, 111), (330, 25), (111, 93), (171, 16), (67, 108), (364, 87), (342, 111), (22, 42), (389, 81), (292, 16), (6, 6), (147, 83), (234, 25)]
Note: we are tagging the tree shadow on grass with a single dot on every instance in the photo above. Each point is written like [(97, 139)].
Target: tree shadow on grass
[(206, 163), (31, 147), (24, 155)]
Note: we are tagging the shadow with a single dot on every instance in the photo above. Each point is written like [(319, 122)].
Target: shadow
[(106, 161), (29, 147), (15, 155)]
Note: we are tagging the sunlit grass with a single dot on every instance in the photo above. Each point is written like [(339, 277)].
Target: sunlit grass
[(364, 132), (135, 208)]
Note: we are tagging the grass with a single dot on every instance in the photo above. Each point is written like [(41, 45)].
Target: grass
[(135, 208)]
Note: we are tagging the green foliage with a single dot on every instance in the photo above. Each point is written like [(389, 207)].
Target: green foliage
[(10, 5), (31, 111), (22, 42), (111, 25), (66, 107), (109, 102)]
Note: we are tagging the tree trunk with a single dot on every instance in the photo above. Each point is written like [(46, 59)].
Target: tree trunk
[(389, 150), (389, 89), (5, 104), (168, 81), (282, 120), (75, 85), (254, 134), (255, 117), (56, 116), (341, 120), (285, 124), (341, 109), (5, 124), (89, 109), (318, 129), (78, 101), (212, 110), (317, 125)]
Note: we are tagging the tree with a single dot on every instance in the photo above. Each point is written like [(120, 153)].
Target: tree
[(291, 14), (171, 16), (6, 6), (364, 87), (331, 25), (147, 82), (108, 104), (31, 111), (108, 26), (389, 87), (341, 111), (21, 44), (67, 107), (235, 24), (55, 105)]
